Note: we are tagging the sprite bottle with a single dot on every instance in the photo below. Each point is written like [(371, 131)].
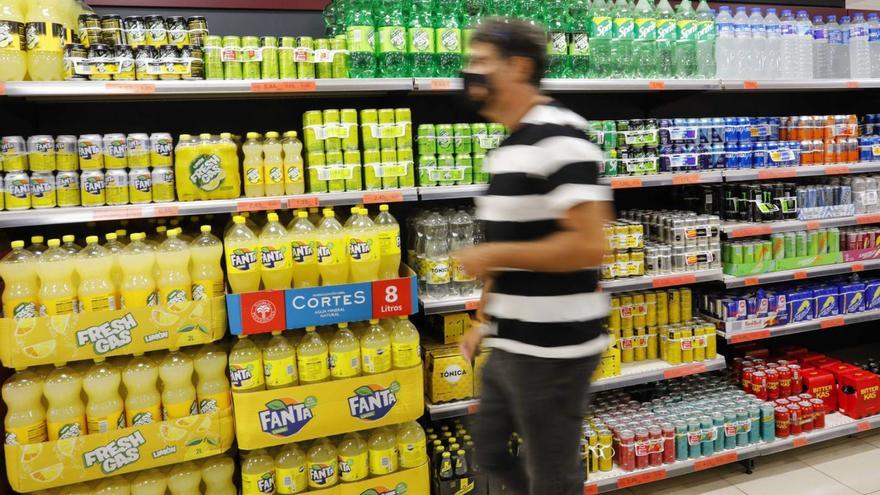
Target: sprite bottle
[(360, 37), (533, 12), (509, 8), (392, 40), (644, 56), (579, 41), (684, 54), (420, 39), (449, 39), (666, 37), (558, 31), (705, 43), (622, 39), (474, 11), (600, 40)]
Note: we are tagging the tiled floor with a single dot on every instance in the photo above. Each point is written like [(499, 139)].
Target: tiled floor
[(845, 466)]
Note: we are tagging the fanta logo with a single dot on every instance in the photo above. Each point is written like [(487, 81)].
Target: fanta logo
[(162, 147), (116, 454), (286, 417), (88, 151), (44, 147), (19, 188), (320, 474), (143, 183), (360, 249), (143, 418), (324, 252), (302, 250), (40, 187), (271, 257), (108, 336), (93, 185), (242, 259), (205, 172), (266, 484), (66, 181), (116, 149), (240, 374), (372, 402), (263, 311), (400, 489)]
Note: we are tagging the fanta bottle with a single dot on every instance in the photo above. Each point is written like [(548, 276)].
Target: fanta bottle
[(178, 392), (25, 420), (104, 409), (257, 473), (114, 247), (213, 386), (291, 474), (137, 262), (304, 251), (172, 257), (207, 274), (315, 216), (376, 349), (45, 40), (323, 465), (57, 292), (411, 445), (279, 362), (332, 250), (228, 151), (345, 354), (20, 294), (143, 403), (246, 366), (254, 181), (405, 352), (242, 263), (382, 448), (389, 244), (294, 173), (273, 165), (150, 482), (217, 473), (13, 60), (355, 213), (353, 458), (114, 485), (363, 248), (184, 479), (37, 245), (65, 415), (312, 358), (276, 265), (94, 265), (70, 245)]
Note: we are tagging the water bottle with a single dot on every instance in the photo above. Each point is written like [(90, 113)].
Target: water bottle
[(461, 230), (622, 41), (874, 44), (838, 53), (437, 263), (705, 41), (859, 50), (788, 56), (666, 37), (644, 56), (743, 58), (600, 39), (684, 54), (805, 45), (758, 47), (845, 27), (774, 44), (724, 43), (821, 69)]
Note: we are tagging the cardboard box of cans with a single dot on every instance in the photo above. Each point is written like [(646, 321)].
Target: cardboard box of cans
[(788, 251), (455, 154)]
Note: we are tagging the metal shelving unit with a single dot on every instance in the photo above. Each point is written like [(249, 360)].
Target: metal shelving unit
[(748, 229), (776, 173), (452, 192), (654, 180), (747, 335), (661, 281), (812, 272), (793, 85), (449, 305)]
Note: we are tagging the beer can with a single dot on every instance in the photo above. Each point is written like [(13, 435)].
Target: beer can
[(445, 139), (427, 165), (92, 188), (111, 30), (626, 314), (463, 139), (339, 52), (349, 120), (651, 309), (407, 166), (140, 185), (115, 151), (17, 190), (157, 35), (90, 148), (66, 157), (43, 190), (286, 61), (213, 57), (636, 266), (198, 29), (163, 183), (116, 186), (323, 58), (13, 150), (161, 151), (352, 160), (812, 243), (331, 127), (145, 57), (76, 64), (304, 55), (337, 169), (481, 176), (389, 159), (313, 130), (372, 170), (387, 128), (269, 66), (316, 163), (89, 26), (426, 139), (251, 66), (178, 34), (193, 62), (102, 62), (463, 161), (67, 187), (41, 151), (403, 119), (169, 61), (232, 57)]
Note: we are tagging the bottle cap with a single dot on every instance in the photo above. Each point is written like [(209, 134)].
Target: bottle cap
[(226, 135), (329, 213), (36, 239), (302, 214), (100, 359), (291, 134), (111, 236), (121, 233), (383, 207), (92, 239), (186, 137), (343, 325), (276, 333), (374, 322), (311, 329), (204, 135), (61, 364), (272, 135), (17, 244), (161, 229), (205, 228), (238, 220), (68, 238), (253, 135), (272, 217), (54, 242)]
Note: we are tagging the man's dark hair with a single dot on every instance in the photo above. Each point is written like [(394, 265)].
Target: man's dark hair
[(515, 38)]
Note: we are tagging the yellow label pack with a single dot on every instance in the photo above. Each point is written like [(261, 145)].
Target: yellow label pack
[(294, 414), (87, 335), (450, 328), (479, 362), (411, 481), (67, 461), (448, 375), (609, 365)]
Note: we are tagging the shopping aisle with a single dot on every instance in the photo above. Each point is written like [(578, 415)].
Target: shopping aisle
[(845, 466)]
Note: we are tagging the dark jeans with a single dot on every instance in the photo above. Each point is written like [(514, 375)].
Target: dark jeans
[(544, 401)]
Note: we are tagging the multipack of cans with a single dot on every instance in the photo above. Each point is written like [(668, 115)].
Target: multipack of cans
[(270, 57), (629, 145), (781, 246), (454, 154)]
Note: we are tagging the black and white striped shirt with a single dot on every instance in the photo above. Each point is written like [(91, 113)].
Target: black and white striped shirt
[(544, 168)]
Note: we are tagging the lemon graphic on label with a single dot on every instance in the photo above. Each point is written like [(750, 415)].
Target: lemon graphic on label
[(66, 447), (40, 350), (30, 452), (171, 434), (186, 422), (198, 311), (60, 324), (164, 319), (48, 474), (24, 326)]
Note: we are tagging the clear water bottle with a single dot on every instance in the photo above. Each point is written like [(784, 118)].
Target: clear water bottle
[(705, 41), (724, 44), (666, 37), (684, 53), (758, 47), (845, 27), (805, 45), (838, 53), (788, 56), (742, 46), (859, 50), (461, 236), (437, 268), (821, 68), (874, 44), (774, 44)]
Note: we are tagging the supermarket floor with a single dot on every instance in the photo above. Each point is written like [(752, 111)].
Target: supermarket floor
[(844, 466)]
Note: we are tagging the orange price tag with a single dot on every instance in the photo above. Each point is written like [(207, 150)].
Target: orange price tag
[(748, 337), (837, 321), (473, 408), (2, 89), (471, 305), (681, 179), (259, 205), (858, 267), (866, 219), (166, 211), (111, 213), (283, 86), (785, 173), (863, 426), (750, 84), (625, 183), (383, 197), (813, 225), (752, 231), (306, 202), (673, 281), (641, 479), (800, 275), (836, 169), (132, 88), (690, 369), (591, 489), (749, 281), (799, 442), (852, 84), (656, 84), (441, 84), (715, 461)]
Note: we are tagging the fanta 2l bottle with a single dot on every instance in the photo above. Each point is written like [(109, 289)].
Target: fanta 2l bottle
[(353, 458), (143, 403), (206, 272), (405, 345), (172, 257), (184, 479), (94, 265), (138, 261), (178, 392), (389, 243), (276, 265), (332, 250), (20, 295), (382, 448), (13, 60), (363, 248), (254, 181), (150, 482), (257, 473), (65, 416), (228, 151), (279, 362), (246, 366), (213, 386), (242, 257), (57, 292), (217, 473), (25, 420), (104, 410), (185, 153), (312, 358), (304, 251), (114, 485), (114, 247), (411, 445), (323, 464), (291, 473), (375, 349)]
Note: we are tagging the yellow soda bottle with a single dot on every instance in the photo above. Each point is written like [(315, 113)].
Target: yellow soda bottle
[(242, 263), (45, 40), (304, 251), (389, 243), (254, 181), (312, 358), (291, 474), (323, 465), (228, 150), (57, 292), (411, 445), (405, 352), (143, 403), (37, 247), (276, 264), (184, 479), (114, 247), (332, 250), (25, 421), (94, 265), (279, 362), (376, 349), (13, 61), (294, 173), (149, 482), (172, 257), (363, 248), (257, 473), (186, 152), (353, 458), (213, 386), (273, 165), (137, 262), (345, 354), (115, 485), (246, 366), (178, 392), (65, 415), (382, 448), (217, 474), (206, 272), (78, 489), (21, 293), (104, 409)]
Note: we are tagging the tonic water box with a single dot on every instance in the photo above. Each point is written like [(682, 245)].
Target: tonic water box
[(479, 362), (448, 375), (800, 305), (872, 294)]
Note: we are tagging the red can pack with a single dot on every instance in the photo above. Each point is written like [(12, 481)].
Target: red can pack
[(821, 385), (858, 394)]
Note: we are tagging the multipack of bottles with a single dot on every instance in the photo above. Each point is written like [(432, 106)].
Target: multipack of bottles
[(452, 450), (273, 166), (435, 236), (326, 462), (454, 154), (268, 57), (207, 167), (331, 353)]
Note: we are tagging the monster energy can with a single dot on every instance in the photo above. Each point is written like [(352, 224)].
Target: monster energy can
[(269, 46), (286, 62)]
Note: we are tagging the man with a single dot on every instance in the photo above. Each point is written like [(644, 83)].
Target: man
[(544, 213)]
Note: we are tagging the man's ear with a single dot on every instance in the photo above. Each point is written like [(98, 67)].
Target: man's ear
[(522, 68)]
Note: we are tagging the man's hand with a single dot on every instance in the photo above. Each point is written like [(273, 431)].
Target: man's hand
[(470, 342), (477, 261)]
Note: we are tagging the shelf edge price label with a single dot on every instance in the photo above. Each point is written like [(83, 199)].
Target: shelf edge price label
[(863, 425), (858, 267), (131, 88), (641, 479), (800, 275), (715, 461), (752, 231), (591, 489), (837, 321), (259, 205), (867, 219), (2, 89), (626, 183), (749, 281), (283, 87), (441, 84), (473, 408), (166, 211), (472, 305), (383, 197), (656, 84), (679, 371), (658, 283), (853, 84), (118, 214), (306, 202), (750, 84), (813, 225), (682, 179), (799, 442), (777, 174), (749, 336), (836, 169)]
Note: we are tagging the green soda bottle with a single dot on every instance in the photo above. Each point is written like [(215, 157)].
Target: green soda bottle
[(600, 40), (449, 39), (360, 35), (579, 40), (474, 11), (508, 8), (644, 56), (684, 54), (533, 12), (666, 37), (558, 33), (392, 40), (623, 33), (420, 39)]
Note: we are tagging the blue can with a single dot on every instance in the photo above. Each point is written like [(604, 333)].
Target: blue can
[(717, 155), (731, 135), (811, 199), (663, 132), (730, 149), (717, 130), (744, 155), (693, 132), (704, 159), (744, 130), (771, 147), (865, 153), (705, 131), (795, 147), (759, 154), (775, 123), (665, 150)]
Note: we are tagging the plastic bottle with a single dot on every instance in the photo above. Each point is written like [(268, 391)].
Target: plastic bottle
[(623, 32), (365, 253), (375, 349), (242, 257), (789, 49), (184, 479), (137, 262), (725, 44), (114, 485), (354, 463), (57, 292), (21, 291), (448, 39), (684, 53), (65, 414), (345, 354), (838, 46), (360, 38), (437, 264), (312, 358), (323, 464), (279, 362), (104, 409), (13, 59), (705, 41), (743, 56), (25, 421), (114, 247), (208, 281), (392, 39), (178, 392), (44, 36), (143, 403), (411, 445), (37, 246), (757, 62), (304, 251), (644, 56), (874, 43), (405, 350), (172, 258), (667, 36), (93, 265), (601, 34), (805, 45), (291, 473), (421, 43), (382, 448), (389, 243), (257, 473), (461, 236), (150, 482), (217, 473), (294, 173), (859, 48), (557, 27), (273, 165), (821, 59), (276, 264), (246, 366), (254, 179), (579, 44), (332, 250), (212, 389)]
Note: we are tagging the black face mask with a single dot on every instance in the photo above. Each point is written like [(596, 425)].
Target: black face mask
[(473, 80)]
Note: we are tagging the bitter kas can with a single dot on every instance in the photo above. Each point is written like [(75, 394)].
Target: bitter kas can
[(269, 46), (370, 129), (323, 58), (386, 128), (331, 127), (125, 64), (177, 31), (157, 35), (403, 118), (349, 120)]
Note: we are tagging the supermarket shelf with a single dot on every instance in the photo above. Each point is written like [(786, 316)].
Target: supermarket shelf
[(437, 84), (748, 229), (448, 410), (56, 216), (804, 171), (793, 85), (811, 272), (660, 281), (654, 180), (452, 192), (449, 305), (738, 336), (585, 85)]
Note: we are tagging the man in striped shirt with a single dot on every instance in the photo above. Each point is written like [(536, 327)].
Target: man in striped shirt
[(543, 315)]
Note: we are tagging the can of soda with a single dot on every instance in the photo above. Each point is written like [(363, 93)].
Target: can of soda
[(286, 58), (169, 61), (348, 130), (403, 119), (124, 63), (269, 66), (111, 30), (116, 186), (138, 149), (313, 130), (426, 139), (370, 129), (354, 179), (338, 172), (198, 29), (232, 58), (140, 185), (800, 246), (387, 129), (304, 56), (193, 59), (479, 138), (481, 176), (115, 151), (178, 34), (445, 139), (462, 139), (339, 53), (135, 30), (372, 170), (89, 147), (145, 56), (332, 125), (833, 240), (317, 163), (463, 161), (89, 28), (67, 188), (323, 58), (92, 188), (407, 168), (446, 170), (427, 168), (251, 65), (812, 243), (161, 151), (389, 162), (157, 34), (163, 184)]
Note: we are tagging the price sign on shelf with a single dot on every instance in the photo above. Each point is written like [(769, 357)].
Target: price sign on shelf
[(799, 442), (118, 213), (683, 179), (304, 202), (858, 267), (749, 281), (383, 197), (800, 275), (441, 84), (2, 89), (658, 283), (283, 86), (836, 169), (868, 219), (749, 336), (715, 461), (751, 231), (656, 84), (642, 478), (836, 321), (130, 88), (166, 211), (750, 84), (472, 305), (392, 298), (686, 370), (626, 183), (591, 489), (863, 426), (259, 205)]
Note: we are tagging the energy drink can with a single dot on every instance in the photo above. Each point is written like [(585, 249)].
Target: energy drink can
[(286, 58), (372, 170), (800, 246), (833, 240), (352, 160), (304, 56), (269, 66), (812, 243), (778, 249), (370, 129)]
